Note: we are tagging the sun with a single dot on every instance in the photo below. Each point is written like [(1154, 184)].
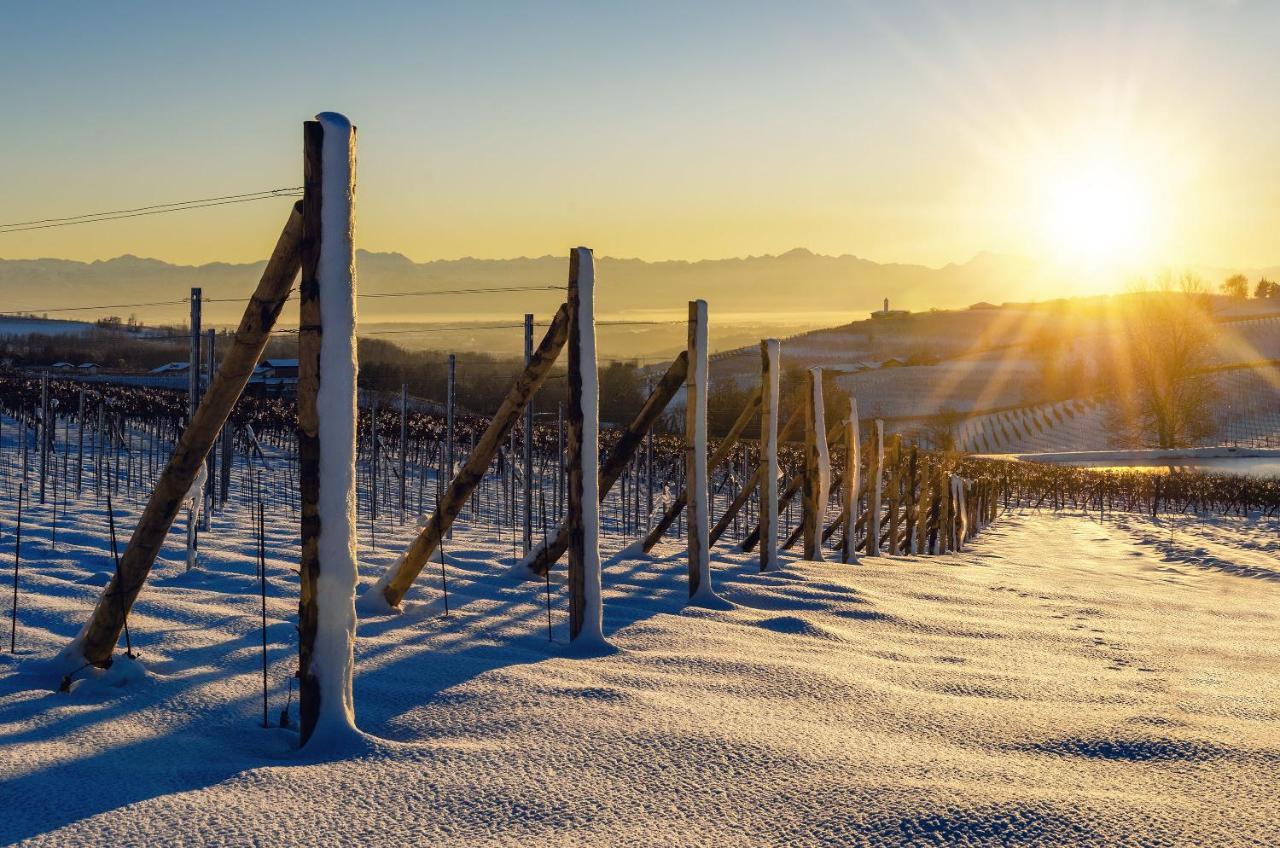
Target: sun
[(1096, 210)]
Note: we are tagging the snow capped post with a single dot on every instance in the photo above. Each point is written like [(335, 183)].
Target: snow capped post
[(327, 432), (852, 468), (770, 381), (817, 461), (695, 452), (875, 481), (586, 611)]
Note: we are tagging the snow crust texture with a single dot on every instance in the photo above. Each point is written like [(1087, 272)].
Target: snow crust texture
[(1063, 682)]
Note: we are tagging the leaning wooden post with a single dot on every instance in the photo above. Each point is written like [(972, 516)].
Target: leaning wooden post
[(745, 493), (327, 432), (97, 639), (586, 611), (546, 553), (770, 383), (721, 453), (817, 466), (875, 476), (852, 468), (695, 455)]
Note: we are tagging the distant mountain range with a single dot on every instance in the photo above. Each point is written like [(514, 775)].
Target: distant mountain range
[(785, 293)]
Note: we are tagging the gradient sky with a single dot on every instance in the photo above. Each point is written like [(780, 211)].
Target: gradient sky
[(902, 131)]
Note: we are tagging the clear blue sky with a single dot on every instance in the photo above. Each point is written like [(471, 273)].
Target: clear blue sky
[(899, 131)]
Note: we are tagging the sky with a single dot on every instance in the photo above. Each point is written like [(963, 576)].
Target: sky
[(923, 132)]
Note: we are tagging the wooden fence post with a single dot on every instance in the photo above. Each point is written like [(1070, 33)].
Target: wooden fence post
[(327, 420), (695, 452), (875, 477), (852, 468), (817, 467), (767, 472), (97, 639), (586, 611)]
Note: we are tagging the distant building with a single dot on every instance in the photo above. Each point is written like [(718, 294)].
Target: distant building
[(274, 377), (62, 366), (890, 313), (170, 368), (87, 368)]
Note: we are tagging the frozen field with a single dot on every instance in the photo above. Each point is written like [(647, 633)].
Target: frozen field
[(1064, 682)]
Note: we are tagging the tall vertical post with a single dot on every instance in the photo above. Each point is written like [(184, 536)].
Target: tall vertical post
[(404, 447), (45, 432), (875, 481), (528, 442), (448, 427), (211, 461), (193, 362), (695, 455), (817, 466), (852, 469), (327, 432), (770, 382), (228, 438), (80, 444), (586, 611)]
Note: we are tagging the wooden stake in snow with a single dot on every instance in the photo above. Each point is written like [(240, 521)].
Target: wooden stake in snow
[(397, 579), (586, 612), (97, 640), (852, 485), (527, 453), (817, 477), (327, 431), (770, 381), (875, 477), (547, 553), (695, 447)]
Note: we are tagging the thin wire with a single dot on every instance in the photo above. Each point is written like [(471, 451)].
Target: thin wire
[(158, 210), (32, 310)]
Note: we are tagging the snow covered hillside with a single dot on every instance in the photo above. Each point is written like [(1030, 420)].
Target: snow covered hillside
[(1064, 682)]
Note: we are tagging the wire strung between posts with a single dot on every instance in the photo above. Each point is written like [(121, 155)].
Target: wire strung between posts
[(154, 209)]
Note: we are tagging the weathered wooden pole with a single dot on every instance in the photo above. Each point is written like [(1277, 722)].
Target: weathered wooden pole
[(97, 639), (404, 449), (875, 478), (852, 468), (45, 432), (211, 461), (695, 455), (586, 609), (895, 490), (767, 471), (451, 464), (80, 444), (817, 466), (327, 419), (527, 456), (721, 453), (397, 579), (543, 556), (193, 362)]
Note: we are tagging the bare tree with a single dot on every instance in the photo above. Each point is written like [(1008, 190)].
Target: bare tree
[(1236, 286), (1160, 394)]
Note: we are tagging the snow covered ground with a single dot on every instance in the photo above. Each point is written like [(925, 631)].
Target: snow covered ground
[(1063, 682)]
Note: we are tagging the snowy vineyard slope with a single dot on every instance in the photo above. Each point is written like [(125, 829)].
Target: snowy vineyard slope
[(1015, 693)]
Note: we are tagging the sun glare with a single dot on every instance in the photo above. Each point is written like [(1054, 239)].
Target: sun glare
[(1096, 211)]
